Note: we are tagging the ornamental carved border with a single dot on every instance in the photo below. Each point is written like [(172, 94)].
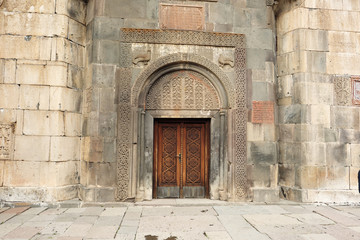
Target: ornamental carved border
[(236, 94)]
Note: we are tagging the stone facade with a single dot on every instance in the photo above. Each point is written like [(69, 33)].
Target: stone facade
[(79, 82)]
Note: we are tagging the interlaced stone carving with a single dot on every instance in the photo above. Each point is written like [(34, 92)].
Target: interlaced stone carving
[(240, 124), (130, 35), (182, 90), (6, 134), (124, 135), (342, 88), (178, 58)]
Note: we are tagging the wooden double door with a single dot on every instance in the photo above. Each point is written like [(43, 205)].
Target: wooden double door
[(181, 158)]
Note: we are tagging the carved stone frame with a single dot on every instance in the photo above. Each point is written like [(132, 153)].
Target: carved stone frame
[(132, 143)]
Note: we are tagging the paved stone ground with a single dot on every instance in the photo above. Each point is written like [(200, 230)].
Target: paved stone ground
[(182, 219)]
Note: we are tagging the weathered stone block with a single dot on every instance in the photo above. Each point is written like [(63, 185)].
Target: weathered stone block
[(34, 97), (77, 32), (285, 86), (109, 52), (337, 178), (310, 177), (107, 100), (354, 178), (107, 124), (22, 173), (308, 133), (287, 175), (263, 91), (65, 148), (286, 132), (43, 123), (54, 74), (331, 135), (290, 153), (259, 175), (72, 124), (343, 42), (337, 154), (75, 77), (109, 154), (293, 114), (8, 116), (345, 117), (67, 173), (255, 132), (266, 195), (351, 5), (355, 155), (313, 154), (107, 28), (87, 194), (34, 24), (264, 153), (342, 63), (38, 6), (69, 52), (2, 173), (92, 149), (221, 13), (9, 96), (256, 58), (65, 99), (126, 9), (9, 71), (313, 93), (313, 40), (19, 47), (105, 195), (323, 4), (349, 136), (72, 8), (320, 114), (103, 75), (90, 126), (25, 150)]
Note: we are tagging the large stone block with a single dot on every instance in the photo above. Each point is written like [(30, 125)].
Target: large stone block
[(293, 114), (264, 153), (105, 195), (34, 97), (259, 175), (291, 20), (77, 32), (103, 75), (342, 63), (107, 100), (309, 133), (337, 178), (320, 114), (126, 9), (350, 136), (287, 175), (310, 177), (34, 24), (355, 155), (65, 148), (9, 96), (75, 77), (72, 124), (351, 5), (290, 153), (354, 178), (221, 13), (38, 6), (26, 151), (313, 93), (107, 28), (337, 154), (22, 173), (92, 149), (2, 173), (313, 154), (109, 154), (263, 91), (65, 99), (323, 4), (54, 74), (255, 132), (329, 20), (312, 40), (72, 8), (20, 47), (266, 195), (69, 52), (107, 124), (7, 71), (43, 123), (345, 117), (8, 115), (286, 132), (343, 42)]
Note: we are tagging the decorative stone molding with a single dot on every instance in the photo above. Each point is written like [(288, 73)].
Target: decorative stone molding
[(355, 82)]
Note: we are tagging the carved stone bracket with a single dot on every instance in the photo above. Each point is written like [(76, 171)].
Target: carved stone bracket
[(342, 88), (226, 61), (6, 141), (142, 59)]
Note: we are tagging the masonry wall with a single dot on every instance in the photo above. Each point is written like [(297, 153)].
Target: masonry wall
[(41, 74), (318, 53), (254, 18)]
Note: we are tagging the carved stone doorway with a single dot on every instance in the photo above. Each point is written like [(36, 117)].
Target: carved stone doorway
[(181, 158)]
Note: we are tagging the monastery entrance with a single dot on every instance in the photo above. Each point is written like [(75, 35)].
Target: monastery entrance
[(181, 158)]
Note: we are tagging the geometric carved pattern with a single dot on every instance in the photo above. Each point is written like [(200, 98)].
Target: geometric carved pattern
[(178, 37), (193, 156), (240, 124), (124, 135), (169, 159), (342, 88), (182, 90), (6, 135), (356, 90)]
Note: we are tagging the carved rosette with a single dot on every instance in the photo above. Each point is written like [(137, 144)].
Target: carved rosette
[(182, 90)]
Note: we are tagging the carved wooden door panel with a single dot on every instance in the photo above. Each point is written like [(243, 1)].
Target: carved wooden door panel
[(181, 159)]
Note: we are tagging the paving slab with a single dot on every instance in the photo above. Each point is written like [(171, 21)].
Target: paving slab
[(311, 218), (56, 228), (102, 232), (22, 233), (270, 219), (317, 237)]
